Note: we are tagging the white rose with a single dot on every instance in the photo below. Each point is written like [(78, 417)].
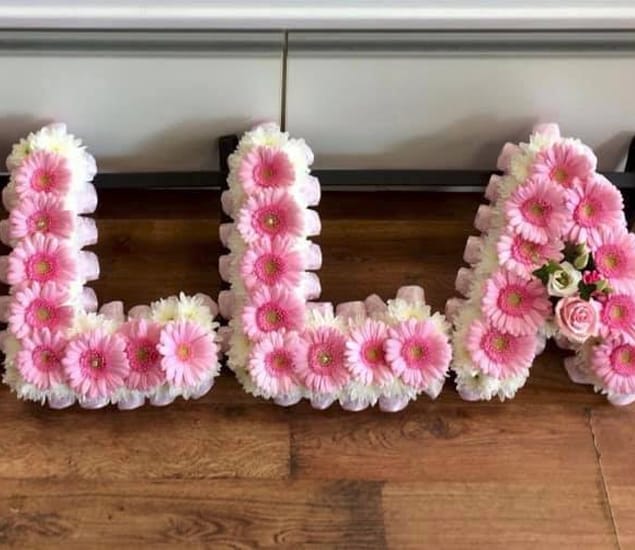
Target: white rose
[(564, 281)]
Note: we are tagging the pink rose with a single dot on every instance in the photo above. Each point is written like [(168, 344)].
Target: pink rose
[(578, 319)]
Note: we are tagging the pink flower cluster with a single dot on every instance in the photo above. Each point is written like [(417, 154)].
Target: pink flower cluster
[(554, 252), (57, 348), (280, 345)]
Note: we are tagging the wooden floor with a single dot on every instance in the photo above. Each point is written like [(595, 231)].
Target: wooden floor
[(555, 468)]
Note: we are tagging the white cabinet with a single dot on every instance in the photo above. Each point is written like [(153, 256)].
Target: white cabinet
[(138, 104), (382, 101)]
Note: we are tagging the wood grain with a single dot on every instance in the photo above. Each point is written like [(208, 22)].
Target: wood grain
[(614, 431), (211, 514), (552, 468), (188, 440), (530, 514)]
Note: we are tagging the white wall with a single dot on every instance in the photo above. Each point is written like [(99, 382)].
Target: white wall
[(158, 101)]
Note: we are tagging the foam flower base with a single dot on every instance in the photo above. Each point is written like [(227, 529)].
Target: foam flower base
[(281, 345), (58, 348), (554, 259)]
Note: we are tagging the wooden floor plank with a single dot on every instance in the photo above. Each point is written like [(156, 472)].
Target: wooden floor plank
[(614, 431), (511, 442), (503, 515), (212, 514), (187, 440)]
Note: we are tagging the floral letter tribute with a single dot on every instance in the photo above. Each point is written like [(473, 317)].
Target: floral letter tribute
[(58, 349), (281, 345), (555, 259)]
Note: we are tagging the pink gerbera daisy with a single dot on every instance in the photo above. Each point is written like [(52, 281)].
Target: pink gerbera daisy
[(618, 316), (522, 256), (189, 353), (497, 353), (43, 172), (272, 310), (536, 210), (265, 167), (95, 363), (593, 204), (418, 353), (272, 262), (40, 214), (321, 363), (272, 363), (39, 307), (365, 356), (142, 338), (270, 213), (614, 255), (565, 163), (514, 304), (614, 363), (40, 359), (41, 259)]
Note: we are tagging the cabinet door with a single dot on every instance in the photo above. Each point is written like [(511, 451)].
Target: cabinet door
[(449, 100), (140, 101)]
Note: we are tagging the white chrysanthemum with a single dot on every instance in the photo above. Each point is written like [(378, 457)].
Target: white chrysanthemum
[(476, 385), (56, 139), (19, 152), (506, 187), (402, 310), (440, 323), (239, 347), (520, 163), (193, 308), (397, 389), (236, 245), (165, 309), (85, 322), (509, 386), (267, 134), (315, 318), (540, 142), (10, 347), (356, 391), (489, 259)]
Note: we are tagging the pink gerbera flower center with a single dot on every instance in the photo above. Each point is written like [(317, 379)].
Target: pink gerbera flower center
[(278, 362), (40, 313), (560, 175), (525, 251), (142, 355), (270, 220), (511, 300), (415, 353), (40, 221), (184, 351), (40, 267), (270, 317), (42, 180), (497, 345), (536, 211), (623, 360), (92, 361), (609, 259), (268, 268), (586, 213), (45, 359), (372, 353), (323, 358)]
